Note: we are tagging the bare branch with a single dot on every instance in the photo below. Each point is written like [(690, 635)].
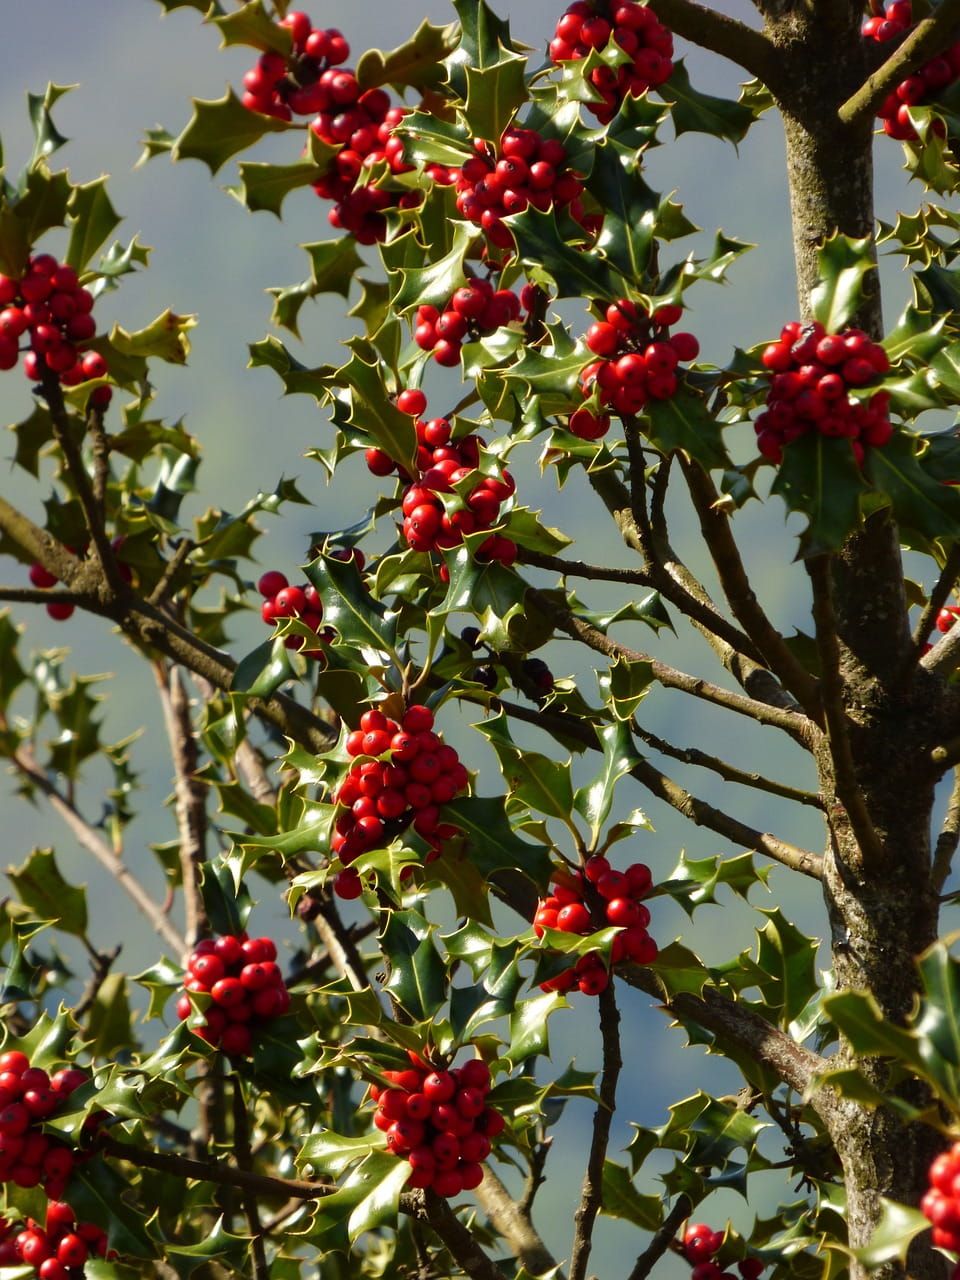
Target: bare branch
[(728, 37), (101, 962), (434, 1210), (928, 38), (729, 773), (591, 1192), (191, 795), (715, 527), (948, 838), (91, 840), (831, 683), (944, 657), (161, 591), (795, 724), (512, 1219), (38, 595), (938, 598), (241, 1146), (662, 1239)]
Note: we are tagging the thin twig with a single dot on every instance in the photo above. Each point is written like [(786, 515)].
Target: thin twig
[(695, 810), (591, 1195), (38, 595), (938, 598), (190, 793), (218, 1172), (101, 455), (434, 1210), (511, 1218), (662, 1239), (93, 842), (729, 773), (831, 684), (158, 596), (948, 838), (241, 1146), (928, 38), (715, 527), (101, 963), (798, 726), (535, 1178)]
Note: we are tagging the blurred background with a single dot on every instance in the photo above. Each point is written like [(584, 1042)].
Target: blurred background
[(135, 68)]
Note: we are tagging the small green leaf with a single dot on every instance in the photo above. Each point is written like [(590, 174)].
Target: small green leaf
[(222, 127), (165, 339), (43, 889), (693, 111), (492, 844), (538, 781), (528, 1026), (99, 1194), (416, 63), (920, 503), (630, 210), (93, 218), (595, 799), (843, 264), (551, 261), (684, 422), (252, 25), (372, 410), (621, 1199), (47, 137), (418, 978), (899, 1224), (819, 477), (348, 606), (483, 39), (493, 94), (329, 1152), (263, 670), (434, 283), (266, 186)]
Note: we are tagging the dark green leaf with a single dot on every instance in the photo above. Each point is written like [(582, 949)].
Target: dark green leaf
[(684, 422), (483, 38), (93, 217), (550, 260), (595, 799), (920, 503), (263, 670), (266, 186), (222, 127), (630, 211), (528, 1026), (492, 844), (47, 138), (493, 94), (252, 25), (416, 63), (538, 781), (843, 264), (899, 1224), (42, 888), (418, 978), (99, 1194), (621, 1199), (693, 111), (348, 606), (820, 478)]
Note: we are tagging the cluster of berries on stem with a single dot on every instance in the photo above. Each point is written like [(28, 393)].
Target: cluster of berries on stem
[(402, 772), (48, 306), (700, 1246), (525, 169), (439, 1120), (29, 1096), (583, 902), (812, 375), (920, 87), (588, 25), (941, 1203), (246, 990), (57, 1251), (281, 601), (637, 361), (474, 310)]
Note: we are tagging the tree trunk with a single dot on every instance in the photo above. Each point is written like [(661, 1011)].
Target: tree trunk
[(882, 908)]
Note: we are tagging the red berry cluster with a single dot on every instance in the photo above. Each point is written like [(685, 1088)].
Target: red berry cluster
[(921, 86), (28, 1096), (57, 1252), (49, 304), (474, 311), (700, 1244), (280, 601), (812, 374), (246, 990), (586, 26), (303, 82), (617, 897), (525, 169), (941, 1203), (409, 773), (638, 362), (439, 1120), (947, 617)]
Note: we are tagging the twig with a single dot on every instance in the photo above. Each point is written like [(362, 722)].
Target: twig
[(101, 455), (35, 595), (341, 948), (461, 1243), (832, 691), (512, 1219), (662, 1239), (928, 38), (938, 598), (158, 595), (535, 1178), (726, 36), (715, 527), (591, 1194), (948, 838), (796, 725), (241, 1146), (729, 773), (695, 810), (101, 962), (93, 842), (191, 795), (218, 1172)]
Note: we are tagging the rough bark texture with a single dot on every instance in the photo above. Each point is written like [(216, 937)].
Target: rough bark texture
[(883, 910)]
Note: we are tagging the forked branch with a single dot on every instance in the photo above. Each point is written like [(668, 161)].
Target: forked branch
[(928, 38)]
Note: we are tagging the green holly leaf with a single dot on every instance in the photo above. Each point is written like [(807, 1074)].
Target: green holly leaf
[(372, 410), (164, 339), (549, 373), (418, 63), (898, 1226), (92, 218), (621, 1199), (217, 1244), (595, 799), (630, 210), (369, 1198), (418, 978), (920, 503), (42, 888), (99, 1194), (297, 379), (843, 264), (535, 779), (45, 1044), (483, 39), (107, 1027), (820, 478), (12, 674), (47, 138), (42, 205), (684, 422), (551, 261), (694, 882), (529, 1035), (266, 186), (334, 264), (161, 981), (432, 285), (915, 337), (491, 843), (493, 94), (626, 686), (430, 140), (202, 6), (680, 970), (475, 587), (939, 1022), (330, 1152), (348, 606), (788, 957), (252, 25), (227, 906), (693, 111), (220, 128), (264, 669)]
